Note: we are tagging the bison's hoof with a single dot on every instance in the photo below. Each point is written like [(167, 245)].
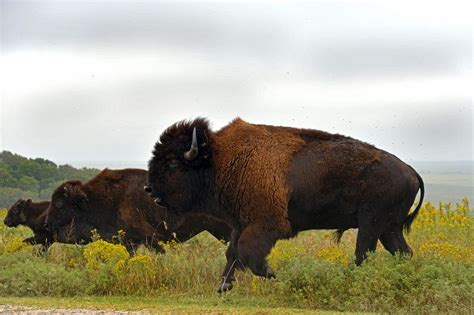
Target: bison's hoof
[(224, 287), (270, 274)]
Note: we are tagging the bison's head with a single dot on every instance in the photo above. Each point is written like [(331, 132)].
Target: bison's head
[(17, 213), (67, 203), (180, 168)]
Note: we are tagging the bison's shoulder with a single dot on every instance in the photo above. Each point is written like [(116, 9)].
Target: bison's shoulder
[(251, 163)]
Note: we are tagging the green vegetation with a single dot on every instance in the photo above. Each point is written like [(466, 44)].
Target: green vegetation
[(312, 273), (21, 177)]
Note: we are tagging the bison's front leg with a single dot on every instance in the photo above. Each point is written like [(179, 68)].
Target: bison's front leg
[(232, 263), (256, 242), (38, 239)]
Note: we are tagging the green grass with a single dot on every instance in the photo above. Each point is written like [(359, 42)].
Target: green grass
[(312, 273)]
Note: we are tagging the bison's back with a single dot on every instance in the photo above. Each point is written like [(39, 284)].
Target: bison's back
[(120, 200)]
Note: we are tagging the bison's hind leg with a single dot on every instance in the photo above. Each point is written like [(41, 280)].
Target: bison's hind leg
[(367, 236), (386, 225), (394, 242), (392, 237)]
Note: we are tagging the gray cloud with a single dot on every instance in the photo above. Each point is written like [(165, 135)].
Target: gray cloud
[(393, 57), (134, 68), (316, 40), (198, 26)]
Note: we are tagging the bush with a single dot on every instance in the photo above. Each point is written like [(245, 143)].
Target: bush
[(69, 256), (22, 274), (101, 253)]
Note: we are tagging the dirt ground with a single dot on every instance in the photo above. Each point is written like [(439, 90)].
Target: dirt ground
[(27, 310)]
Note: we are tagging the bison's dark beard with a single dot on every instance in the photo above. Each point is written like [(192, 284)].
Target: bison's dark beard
[(76, 231)]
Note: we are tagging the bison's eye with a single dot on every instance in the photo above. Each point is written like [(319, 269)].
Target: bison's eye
[(59, 204), (174, 164)]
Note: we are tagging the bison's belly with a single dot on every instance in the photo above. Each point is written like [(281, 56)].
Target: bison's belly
[(334, 215)]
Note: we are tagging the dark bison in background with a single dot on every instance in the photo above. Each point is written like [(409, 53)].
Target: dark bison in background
[(270, 183), (30, 214), (114, 200)]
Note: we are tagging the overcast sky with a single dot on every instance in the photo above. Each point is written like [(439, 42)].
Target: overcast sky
[(96, 82)]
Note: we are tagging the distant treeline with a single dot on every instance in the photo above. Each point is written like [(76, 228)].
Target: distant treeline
[(22, 177)]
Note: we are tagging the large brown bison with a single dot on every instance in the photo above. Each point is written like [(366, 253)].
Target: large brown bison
[(30, 214), (114, 200), (270, 183)]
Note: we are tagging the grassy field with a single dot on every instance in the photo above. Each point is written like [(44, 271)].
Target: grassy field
[(312, 273)]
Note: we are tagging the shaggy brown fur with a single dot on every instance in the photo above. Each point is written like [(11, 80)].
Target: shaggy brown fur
[(30, 214), (271, 182), (114, 200), (253, 173)]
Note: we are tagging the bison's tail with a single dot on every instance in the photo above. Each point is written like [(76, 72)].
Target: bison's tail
[(411, 217), (337, 236)]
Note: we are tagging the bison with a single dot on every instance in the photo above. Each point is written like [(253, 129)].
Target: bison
[(270, 183), (114, 200), (30, 214)]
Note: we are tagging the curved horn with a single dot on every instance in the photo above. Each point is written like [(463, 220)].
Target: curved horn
[(193, 151)]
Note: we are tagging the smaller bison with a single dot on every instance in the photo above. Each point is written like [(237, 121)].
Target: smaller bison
[(115, 200), (30, 214)]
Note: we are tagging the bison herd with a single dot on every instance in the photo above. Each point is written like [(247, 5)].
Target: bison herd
[(249, 185)]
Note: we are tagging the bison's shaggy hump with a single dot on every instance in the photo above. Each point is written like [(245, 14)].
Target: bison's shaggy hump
[(252, 162)]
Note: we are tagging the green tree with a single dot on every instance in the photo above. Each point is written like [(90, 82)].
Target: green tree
[(28, 183), (9, 195), (6, 179), (22, 177), (45, 194)]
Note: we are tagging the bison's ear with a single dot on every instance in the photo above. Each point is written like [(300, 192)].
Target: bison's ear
[(28, 202), (74, 194)]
